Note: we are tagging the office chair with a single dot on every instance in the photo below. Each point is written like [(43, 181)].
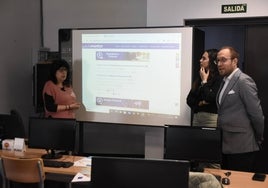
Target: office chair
[(12, 125), (22, 171)]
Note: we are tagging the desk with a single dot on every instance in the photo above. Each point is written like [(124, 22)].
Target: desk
[(56, 174), (239, 179)]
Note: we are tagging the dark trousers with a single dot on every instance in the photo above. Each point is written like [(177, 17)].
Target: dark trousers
[(239, 162)]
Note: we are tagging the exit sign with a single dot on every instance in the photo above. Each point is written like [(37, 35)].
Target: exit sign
[(234, 8)]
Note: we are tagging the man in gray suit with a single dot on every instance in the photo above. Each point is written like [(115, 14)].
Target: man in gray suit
[(240, 114)]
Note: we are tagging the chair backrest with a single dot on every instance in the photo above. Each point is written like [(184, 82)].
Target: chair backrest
[(22, 170), (19, 130), (11, 125)]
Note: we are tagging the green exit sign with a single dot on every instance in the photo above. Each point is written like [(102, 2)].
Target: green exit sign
[(234, 8)]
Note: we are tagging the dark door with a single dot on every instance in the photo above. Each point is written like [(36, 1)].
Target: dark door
[(256, 65)]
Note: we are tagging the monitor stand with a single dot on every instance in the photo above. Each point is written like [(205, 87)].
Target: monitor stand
[(51, 154)]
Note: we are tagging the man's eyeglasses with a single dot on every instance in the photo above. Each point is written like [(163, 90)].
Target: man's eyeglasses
[(223, 60)]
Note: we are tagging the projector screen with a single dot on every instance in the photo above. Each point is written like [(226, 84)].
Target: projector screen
[(133, 75)]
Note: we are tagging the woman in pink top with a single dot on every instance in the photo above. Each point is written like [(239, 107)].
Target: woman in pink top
[(58, 95)]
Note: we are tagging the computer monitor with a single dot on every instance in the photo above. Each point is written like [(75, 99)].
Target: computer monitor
[(196, 144), (52, 134), (137, 172), (112, 139), (11, 126)]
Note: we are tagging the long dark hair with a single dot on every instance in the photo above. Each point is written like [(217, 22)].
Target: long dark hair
[(213, 68), (56, 65)]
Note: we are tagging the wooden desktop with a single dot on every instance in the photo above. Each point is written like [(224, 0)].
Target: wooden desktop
[(239, 179)]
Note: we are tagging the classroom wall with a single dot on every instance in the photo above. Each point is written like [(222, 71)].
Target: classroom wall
[(174, 12), (90, 14), (20, 37)]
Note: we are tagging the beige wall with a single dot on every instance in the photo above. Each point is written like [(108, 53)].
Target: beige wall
[(173, 12), (20, 37), (90, 14)]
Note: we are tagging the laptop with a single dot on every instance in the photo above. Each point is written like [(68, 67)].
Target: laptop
[(119, 172)]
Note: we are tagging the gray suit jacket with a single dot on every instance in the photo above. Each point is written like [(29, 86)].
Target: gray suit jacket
[(240, 115)]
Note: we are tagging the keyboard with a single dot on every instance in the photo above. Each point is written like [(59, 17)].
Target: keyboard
[(57, 164)]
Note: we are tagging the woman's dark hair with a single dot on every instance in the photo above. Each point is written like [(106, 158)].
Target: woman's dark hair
[(213, 68), (56, 65)]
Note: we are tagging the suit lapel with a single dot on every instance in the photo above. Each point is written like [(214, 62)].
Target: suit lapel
[(230, 86)]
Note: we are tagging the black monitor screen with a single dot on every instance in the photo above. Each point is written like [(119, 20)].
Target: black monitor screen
[(139, 173), (196, 144), (52, 134), (111, 139)]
